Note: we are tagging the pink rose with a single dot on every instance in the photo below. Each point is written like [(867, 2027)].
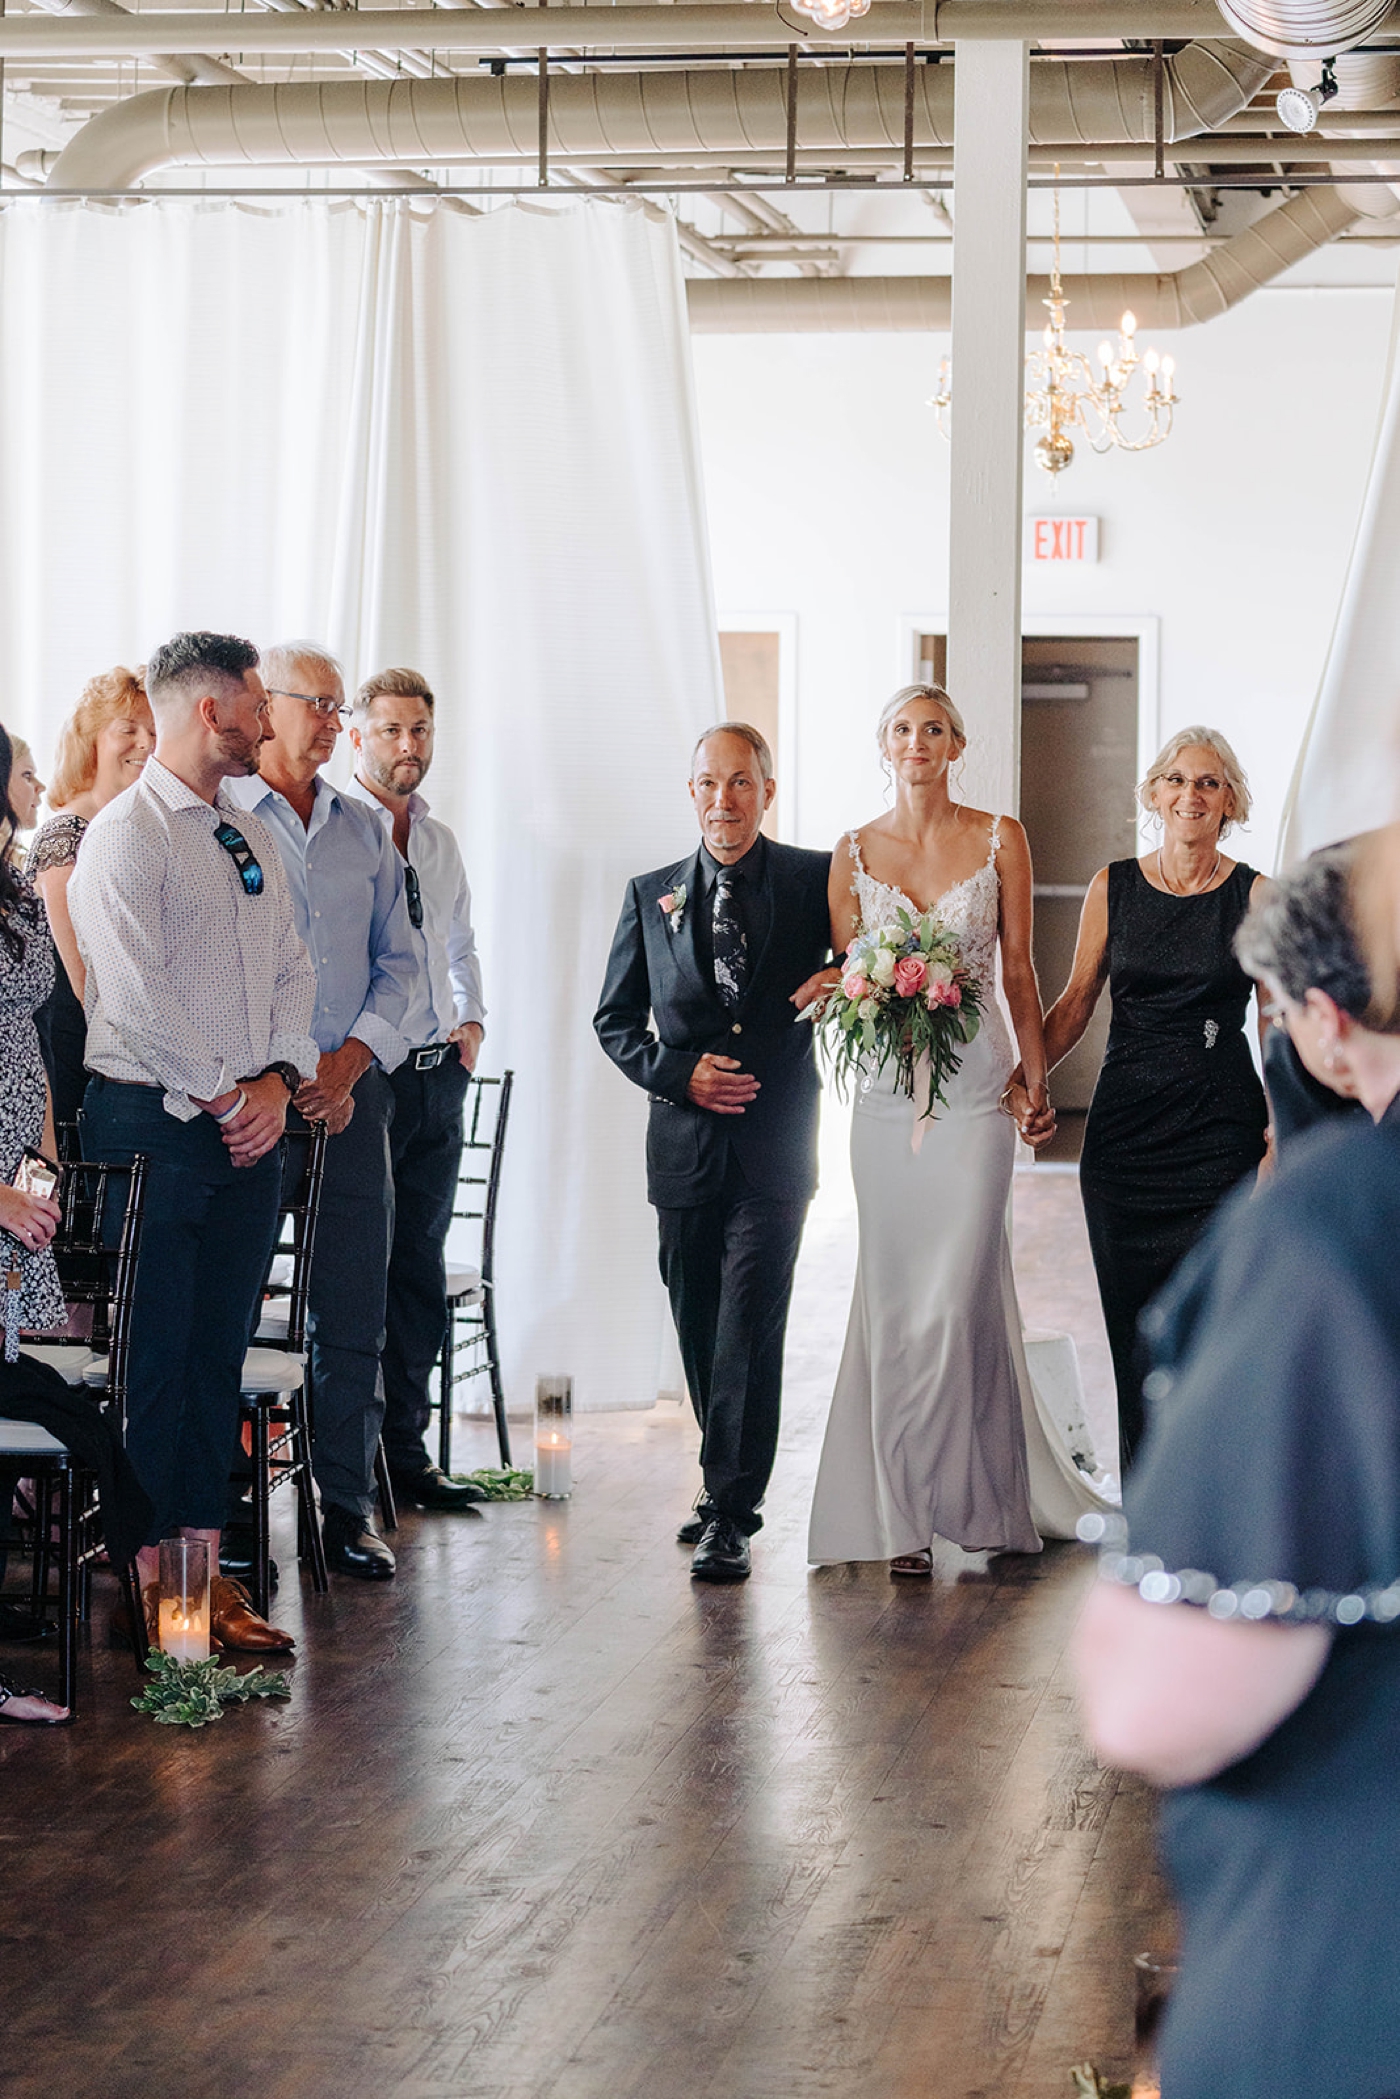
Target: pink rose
[(943, 994), (855, 986), (667, 902), (910, 975)]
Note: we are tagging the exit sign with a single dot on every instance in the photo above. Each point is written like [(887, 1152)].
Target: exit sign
[(1052, 541)]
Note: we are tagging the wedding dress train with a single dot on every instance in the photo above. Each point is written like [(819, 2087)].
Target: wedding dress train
[(936, 1429)]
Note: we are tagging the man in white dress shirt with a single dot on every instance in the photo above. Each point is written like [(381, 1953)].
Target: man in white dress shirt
[(348, 895), (199, 997), (392, 734)]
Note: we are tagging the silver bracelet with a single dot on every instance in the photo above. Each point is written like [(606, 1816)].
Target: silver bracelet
[(229, 1113)]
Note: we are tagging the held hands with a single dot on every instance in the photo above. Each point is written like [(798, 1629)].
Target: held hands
[(336, 1074), (717, 1083), (259, 1123), (1029, 1108), (32, 1219)]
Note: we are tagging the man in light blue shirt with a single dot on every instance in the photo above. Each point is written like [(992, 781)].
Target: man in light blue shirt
[(393, 738), (348, 894)]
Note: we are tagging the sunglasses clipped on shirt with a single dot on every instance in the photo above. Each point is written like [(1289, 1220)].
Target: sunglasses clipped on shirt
[(249, 866), (414, 894)]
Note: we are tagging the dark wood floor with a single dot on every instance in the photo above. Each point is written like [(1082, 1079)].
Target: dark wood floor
[(542, 1818)]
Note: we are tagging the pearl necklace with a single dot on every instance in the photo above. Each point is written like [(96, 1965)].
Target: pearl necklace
[(1162, 878)]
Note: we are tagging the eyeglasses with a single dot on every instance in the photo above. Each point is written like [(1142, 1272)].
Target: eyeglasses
[(329, 709), (249, 866), (414, 894)]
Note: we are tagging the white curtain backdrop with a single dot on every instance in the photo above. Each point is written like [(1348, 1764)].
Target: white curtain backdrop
[(1347, 778), (457, 442)]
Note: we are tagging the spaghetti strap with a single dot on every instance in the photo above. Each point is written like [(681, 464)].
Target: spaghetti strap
[(994, 839), (853, 841)]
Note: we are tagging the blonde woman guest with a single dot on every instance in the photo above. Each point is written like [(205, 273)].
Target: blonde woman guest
[(1178, 1116), (935, 1430), (102, 748), (26, 790)]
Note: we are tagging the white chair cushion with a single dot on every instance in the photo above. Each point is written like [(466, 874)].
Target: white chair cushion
[(275, 1319), (464, 1285), (95, 1373), (272, 1370), (69, 1358), (26, 1439)]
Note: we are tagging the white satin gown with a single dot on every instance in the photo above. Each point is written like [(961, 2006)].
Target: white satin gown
[(935, 1429)]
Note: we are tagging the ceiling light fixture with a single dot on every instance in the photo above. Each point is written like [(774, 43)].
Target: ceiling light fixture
[(830, 14), (1063, 391), (1300, 107)]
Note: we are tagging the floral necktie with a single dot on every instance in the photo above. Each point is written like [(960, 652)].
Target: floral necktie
[(730, 940)]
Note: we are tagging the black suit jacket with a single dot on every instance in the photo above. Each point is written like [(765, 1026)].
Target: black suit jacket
[(660, 1013)]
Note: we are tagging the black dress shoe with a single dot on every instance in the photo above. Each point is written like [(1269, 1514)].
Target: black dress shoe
[(430, 1488), (236, 1554), (21, 1629), (693, 1529), (723, 1553), (354, 1547)]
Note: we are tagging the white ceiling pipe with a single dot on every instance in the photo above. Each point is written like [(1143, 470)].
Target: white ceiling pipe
[(883, 305), (193, 68), (752, 25), (629, 117)]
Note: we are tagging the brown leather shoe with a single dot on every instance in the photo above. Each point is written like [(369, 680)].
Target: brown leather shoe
[(119, 1626), (234, 1624)]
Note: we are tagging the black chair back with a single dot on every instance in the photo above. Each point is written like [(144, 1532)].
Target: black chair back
[(95, 1250), (303, 1169), (486, 1115)]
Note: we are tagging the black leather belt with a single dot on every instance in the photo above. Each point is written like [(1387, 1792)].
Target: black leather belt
[(431, 1055)]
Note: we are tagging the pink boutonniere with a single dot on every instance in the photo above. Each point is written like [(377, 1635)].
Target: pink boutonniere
[(673, 904)]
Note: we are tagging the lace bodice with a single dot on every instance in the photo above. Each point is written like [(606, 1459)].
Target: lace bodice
[(970, 909)]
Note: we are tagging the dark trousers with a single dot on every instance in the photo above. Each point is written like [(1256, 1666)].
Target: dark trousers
[(206, 1239), (728, 1266), (425, 1148), (349, 1271)]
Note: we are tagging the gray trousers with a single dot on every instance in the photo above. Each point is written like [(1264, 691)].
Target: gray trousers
[(349, 1278)]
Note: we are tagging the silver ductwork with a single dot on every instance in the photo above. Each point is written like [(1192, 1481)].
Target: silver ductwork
[(924, 305), (1304, 28), (649, 118)]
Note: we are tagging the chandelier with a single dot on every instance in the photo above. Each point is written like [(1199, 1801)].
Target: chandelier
[(1064, 392), (830, 14)]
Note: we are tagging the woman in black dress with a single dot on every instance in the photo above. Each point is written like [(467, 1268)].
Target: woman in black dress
[(1178, 1116), (1244, 1650)]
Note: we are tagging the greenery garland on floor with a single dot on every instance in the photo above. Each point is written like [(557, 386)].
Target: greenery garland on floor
[(191, 1694), (500, 1482)]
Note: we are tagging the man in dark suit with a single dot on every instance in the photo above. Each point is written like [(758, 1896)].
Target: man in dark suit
[(698, 1008)]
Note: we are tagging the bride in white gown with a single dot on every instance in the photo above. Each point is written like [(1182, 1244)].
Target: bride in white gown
[(935, 1428)]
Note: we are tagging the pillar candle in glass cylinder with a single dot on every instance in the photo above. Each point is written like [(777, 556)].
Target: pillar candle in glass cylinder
[(183, 1622), (554, 1438)]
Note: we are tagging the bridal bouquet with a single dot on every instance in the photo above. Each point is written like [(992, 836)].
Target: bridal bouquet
[(905, 998)]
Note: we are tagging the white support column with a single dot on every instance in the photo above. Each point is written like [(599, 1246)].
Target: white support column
[(990, 125)]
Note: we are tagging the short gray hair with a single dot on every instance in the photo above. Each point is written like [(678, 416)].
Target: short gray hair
[(902, 698), (747, 734), (1302, 933), (1229, 765), (278, 660)]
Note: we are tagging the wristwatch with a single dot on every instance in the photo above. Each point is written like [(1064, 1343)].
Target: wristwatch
[(287, 1073)]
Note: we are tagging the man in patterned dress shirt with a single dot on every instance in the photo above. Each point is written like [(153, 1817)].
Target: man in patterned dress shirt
[(199, 997)]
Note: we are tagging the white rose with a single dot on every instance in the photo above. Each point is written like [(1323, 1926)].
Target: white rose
[(867, 1009), (881, 970)]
